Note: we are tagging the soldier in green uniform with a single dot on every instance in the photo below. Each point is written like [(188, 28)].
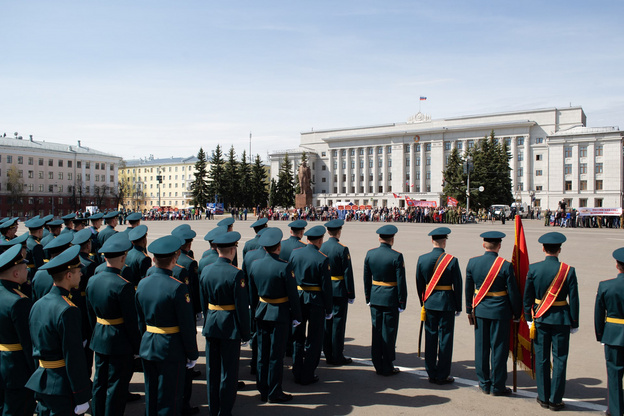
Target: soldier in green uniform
[(312, 273), (211, 255), (46, 228), (111, 220), (275, 301), (16, 362), (43, 280), (80, 223), (96, 223), (8, 229), (609, 327), (55, 230), (225, 302), (385, 289), (17, 241), (554, 284), (293, 242), (137, 260), (169, 345), (187, 261), (229, 223), (34, 254), (68, 220), (253, 243), (439, 285), (343, 289), (491, 285), (116, 336), (134, 221), (61, 383)]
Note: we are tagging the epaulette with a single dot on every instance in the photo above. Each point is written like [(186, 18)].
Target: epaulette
[(236, 267), (69, 302), (122, 278), (179, 265), (176, 280), (21, 295), (322, 253)]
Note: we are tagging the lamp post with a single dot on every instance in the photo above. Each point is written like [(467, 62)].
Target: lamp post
[(468, 166)]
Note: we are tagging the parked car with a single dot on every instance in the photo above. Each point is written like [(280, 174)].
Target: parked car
[(500, 210), (521, 209)]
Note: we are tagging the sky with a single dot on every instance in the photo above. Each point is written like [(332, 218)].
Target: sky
[(164, 78)]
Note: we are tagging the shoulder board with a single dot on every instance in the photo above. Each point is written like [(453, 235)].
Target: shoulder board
[(179, 265), (282, 260), (237, 268), (69, 302), (121, 277), (322, 253), (21, 295), (396, 251), (176, 280), (46, 260), (342, 244)]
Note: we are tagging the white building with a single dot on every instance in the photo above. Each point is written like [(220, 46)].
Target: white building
[(554, 157)]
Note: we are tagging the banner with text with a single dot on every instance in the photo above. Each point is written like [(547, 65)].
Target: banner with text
[(616, 212)]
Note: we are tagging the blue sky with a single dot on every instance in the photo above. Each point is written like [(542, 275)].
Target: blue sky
[(165, 77)]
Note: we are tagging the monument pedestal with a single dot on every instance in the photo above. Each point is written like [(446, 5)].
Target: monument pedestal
[(303, 200)]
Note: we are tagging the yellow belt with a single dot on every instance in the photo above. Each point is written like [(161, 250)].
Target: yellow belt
[(10, 347), (309, 288), (274, 301), (221, 307), (162, 329), (30, 266), (556, 303), (115, 321), (52, 364), (615, 320), (337, 278), (380, 283), (443, 287), (495, 294)]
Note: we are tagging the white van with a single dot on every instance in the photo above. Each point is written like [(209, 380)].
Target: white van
[(499, 210), (521, 209)]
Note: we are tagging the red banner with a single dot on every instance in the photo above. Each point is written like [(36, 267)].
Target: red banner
[(451, 202)]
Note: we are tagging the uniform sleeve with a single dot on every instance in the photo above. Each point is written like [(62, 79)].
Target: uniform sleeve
[(37, 254), (241, 296), (146, 263), (19, 316), (128, 312), (203, 300), (293, 294), (512, 292), (470, 286), (140, 315), (194, 289), (348, 273), (401, 282), (368, 280), (529, 295), (457, 285), (69, 327), (90, 312), (327, 286), (421, 283), (186, 322), (599, 313), (574, 299)]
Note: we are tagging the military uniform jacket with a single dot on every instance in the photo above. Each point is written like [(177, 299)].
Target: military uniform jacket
[(222, 283), (55, 332), (44, 241), (610, 303), (137, 264), (311, 268), (273, 278), (385, 265), (67, 230), (539, 277), (15, 366), (288, 246), (493, 307), (439, 300), (79, 295), (110, 296), (34, 255), (209, 257), (251, 245), (95, 245), (41, 284), (191, 279), (105, 235), (339, 265), (164, 301)]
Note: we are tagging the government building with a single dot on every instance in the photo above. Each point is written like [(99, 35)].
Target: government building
[(554, 157), (41, 178)]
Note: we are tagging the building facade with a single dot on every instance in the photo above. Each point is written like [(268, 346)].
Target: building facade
[(554, 157), (41, 178), (157, 183)]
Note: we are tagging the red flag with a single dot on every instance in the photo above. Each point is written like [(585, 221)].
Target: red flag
[(520, 261), (395, 195), (451, 202)]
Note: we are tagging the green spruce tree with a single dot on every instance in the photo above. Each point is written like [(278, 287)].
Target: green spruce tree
[(258, 183), (285, 184), (244, 182), (199, 187), (215, 176), (231, 195)]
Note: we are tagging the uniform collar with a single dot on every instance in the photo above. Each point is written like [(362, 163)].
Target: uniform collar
[(57, 290), (165, 271), (10, 285), (385, 245), (552, 258), (313, 246), (224, 260), (113, 270), (490, 253), (333, 238), (437, 250)]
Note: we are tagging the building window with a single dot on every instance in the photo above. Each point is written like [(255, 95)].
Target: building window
[(597, 202), (31, 174), (417, 149), (352, 164), (371, 151), (567, 152), (69, 163), (20, 160), (470, 144), (428, 147), (428, 174), (60, 175), (447, 145), (508, 141), (9, 159), (69, 176), (428, 161), (50, 188), (79, 164), (344, 164), (389, 149), (50, 175), (598, 167), (380, 177), (20, 174), (40, 174), (583, 168), (322, 179), (31, 187), (520, 156), (88, 177), (407, 162), (79, 176), (538, 172), (539, 140), (390, 163), (40, 161), (60, 189), (352, 152), (112, 178), (520, 186), (335, 165), (583, 152), (460, 145), (335, 153), (40, 187), (538, 188), (520, 172), (520, 140), (417, 176), (60, 163), (598, 185), (407, 148), (583, 185), (582, 202), (50, 162), (417, 161), (97, 178), (568, 185), (538, 157), (370, 163), (380, 163), (30, 161), (323, 154), (567, 169), (599, 150), (87, 165)]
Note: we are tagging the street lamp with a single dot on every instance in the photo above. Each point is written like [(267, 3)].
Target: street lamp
[(468, 167)]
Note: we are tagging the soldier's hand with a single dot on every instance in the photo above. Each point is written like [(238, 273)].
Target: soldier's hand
[(530, 324), (84, 344), (573, 330), (244, 343), (190, 363), (457, 313), (401, 310), (351, 301), (81, 408), (295, 323), (329, 316)]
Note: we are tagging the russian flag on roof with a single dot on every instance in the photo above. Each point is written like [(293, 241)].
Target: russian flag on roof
[(423, 98)]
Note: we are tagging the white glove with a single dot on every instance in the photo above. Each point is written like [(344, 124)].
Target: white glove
[(81, 408), (457, 313), (244, 343), (329, 316), (573, 330), (351, 301), (190, 363), (530, 324), (136, 356), (367, 303), (84, 344), (401, 310), (295, 323)]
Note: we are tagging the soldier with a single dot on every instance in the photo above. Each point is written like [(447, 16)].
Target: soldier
[(116, 337), (55, 230), (439, 285), (169, 345), (61, 383), (210, 255), (34, 255), (21, 241), (225, 303), (68, 220), (275, 301), (111, 220), (229, 223), (187, 261), (8, 229), (294, 241), (96, 223), (137, 260), (343, 290), (42, 280), (551, 309), (492, 300), (253, 243), (15, 344), (134, 221), (80, 223), (609, 327), (46, 227), (385, 289)]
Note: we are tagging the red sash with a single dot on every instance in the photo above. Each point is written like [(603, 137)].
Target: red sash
[(437, 274), (553, 291), (487, 283)]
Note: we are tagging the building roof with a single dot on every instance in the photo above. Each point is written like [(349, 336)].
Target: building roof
[(31, 144), (150, 161), (577, 130)]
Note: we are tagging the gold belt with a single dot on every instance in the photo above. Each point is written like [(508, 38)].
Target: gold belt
[(556, 303), (52, 364), (274, 301), (162, 329), (615, 320), (337, 278), (10, 347), (443, 287), (114, 321), (30, 266), (221, 307), (388, 284), (495, 294), (309, 288)]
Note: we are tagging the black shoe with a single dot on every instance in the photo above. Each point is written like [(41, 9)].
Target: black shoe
[(444, 381), (240, 386), (281, 398), (253, 371), (196, 374), (506, 392), (542, 403), (314, 379), (484, 390), (263, 399), (555, 407), (132, 397), (392, 372), (190, 410)]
